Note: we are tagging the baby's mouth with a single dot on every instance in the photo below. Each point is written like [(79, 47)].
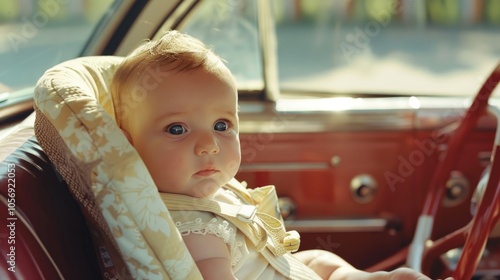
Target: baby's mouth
[(207, 172)]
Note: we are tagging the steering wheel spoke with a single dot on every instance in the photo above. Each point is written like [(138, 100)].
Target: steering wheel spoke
[(476, 233), (486, 217)]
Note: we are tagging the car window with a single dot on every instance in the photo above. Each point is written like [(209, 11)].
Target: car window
[(230, 27), (385, 47), (39, 34)]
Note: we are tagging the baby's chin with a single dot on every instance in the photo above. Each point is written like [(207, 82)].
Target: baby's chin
[(206, 189), (201, 189)]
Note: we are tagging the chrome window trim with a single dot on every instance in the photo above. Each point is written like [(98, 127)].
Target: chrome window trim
[(146, 25), (369, 115), (150, 19), (107, 27), (268, 43), (325, 122)]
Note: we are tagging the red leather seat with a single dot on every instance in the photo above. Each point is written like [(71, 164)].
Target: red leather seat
[(50, 237)]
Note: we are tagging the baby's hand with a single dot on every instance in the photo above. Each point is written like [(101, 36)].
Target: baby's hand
[(408, 274)]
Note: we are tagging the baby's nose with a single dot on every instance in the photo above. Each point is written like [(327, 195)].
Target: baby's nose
[(207, 144)]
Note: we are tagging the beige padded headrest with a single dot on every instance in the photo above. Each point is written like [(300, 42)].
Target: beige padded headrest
[(75, 125)]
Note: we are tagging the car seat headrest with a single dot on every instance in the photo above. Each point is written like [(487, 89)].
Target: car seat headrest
[(75, 126)]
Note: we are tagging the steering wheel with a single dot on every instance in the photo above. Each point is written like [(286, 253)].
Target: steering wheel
[(474, 234)]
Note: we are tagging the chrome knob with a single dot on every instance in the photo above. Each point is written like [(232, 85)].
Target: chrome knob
[(457, 189), (363, 188), (287, 208)]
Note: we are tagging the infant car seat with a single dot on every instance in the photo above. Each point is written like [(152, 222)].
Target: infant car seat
[(132, 230)]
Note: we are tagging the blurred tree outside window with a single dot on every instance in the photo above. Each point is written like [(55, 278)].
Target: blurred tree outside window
[(432, 47)]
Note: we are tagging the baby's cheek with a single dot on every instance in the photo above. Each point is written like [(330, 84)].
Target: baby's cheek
[(233, 163), (232, 167), (174, 166), (166, 165)]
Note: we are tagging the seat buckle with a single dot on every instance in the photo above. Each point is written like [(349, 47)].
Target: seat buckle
[(246, 213)]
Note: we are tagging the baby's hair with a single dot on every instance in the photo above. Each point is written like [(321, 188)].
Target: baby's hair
[(150, 63)]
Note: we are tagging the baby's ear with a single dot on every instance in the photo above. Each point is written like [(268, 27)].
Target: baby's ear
[(127, 135)]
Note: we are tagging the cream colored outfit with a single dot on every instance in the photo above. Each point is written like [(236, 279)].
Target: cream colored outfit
[(258, 244), (246, 261)]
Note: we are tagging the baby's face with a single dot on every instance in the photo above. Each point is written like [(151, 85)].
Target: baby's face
[(186, 131)]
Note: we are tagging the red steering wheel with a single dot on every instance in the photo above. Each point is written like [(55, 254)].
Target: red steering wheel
[(476, 233)]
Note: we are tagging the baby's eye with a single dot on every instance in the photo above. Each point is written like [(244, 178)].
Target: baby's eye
[(221, 126), (176, 129)]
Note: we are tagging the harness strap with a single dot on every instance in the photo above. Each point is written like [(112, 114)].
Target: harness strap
[(266, 232), (244, 218)]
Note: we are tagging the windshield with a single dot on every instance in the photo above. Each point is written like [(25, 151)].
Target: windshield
[(386, 47), (39, 34), (231, 29)]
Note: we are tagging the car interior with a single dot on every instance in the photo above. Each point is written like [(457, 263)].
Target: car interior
[(412, 179), (52, 238), (52, 235)]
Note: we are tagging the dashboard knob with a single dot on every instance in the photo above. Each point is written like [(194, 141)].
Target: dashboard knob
[(363, 188)]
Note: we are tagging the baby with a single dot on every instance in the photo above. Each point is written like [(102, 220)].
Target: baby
[(177, 103)]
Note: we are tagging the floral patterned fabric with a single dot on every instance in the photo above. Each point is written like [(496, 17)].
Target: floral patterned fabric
[(76, 127)]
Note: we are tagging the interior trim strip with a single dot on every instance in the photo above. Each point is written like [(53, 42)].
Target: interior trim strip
[(284, 166), (338, 225)]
